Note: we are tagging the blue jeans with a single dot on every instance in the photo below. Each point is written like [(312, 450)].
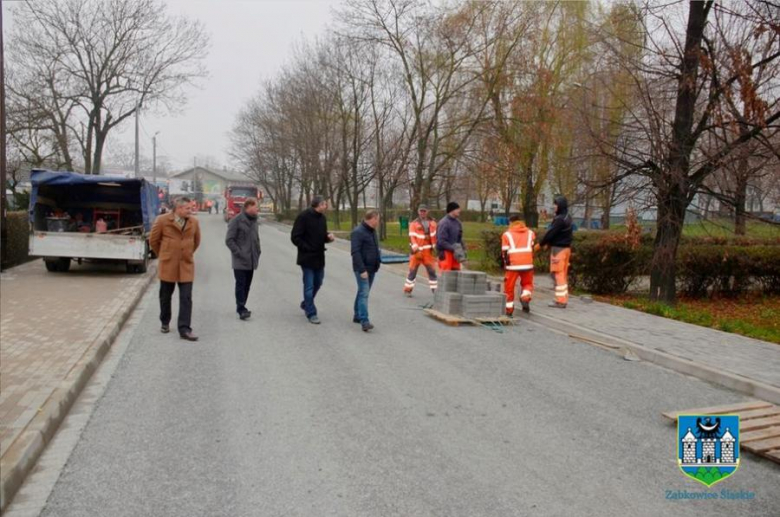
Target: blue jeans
[(312, 281), (361, 299)]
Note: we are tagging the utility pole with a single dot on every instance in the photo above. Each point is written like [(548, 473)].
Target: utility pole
[(154, 157), (137, 147), (3, 201)]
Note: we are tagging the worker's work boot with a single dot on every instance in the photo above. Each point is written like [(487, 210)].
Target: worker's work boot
[(526, 306), (557, 305)]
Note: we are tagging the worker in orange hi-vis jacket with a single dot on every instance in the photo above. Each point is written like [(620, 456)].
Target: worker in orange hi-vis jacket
[(422, 239), (517, 249)]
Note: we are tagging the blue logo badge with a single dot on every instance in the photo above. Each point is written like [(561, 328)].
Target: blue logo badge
[(708, 446)]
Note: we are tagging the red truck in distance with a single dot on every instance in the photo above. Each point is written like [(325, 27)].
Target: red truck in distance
[(236, 194)]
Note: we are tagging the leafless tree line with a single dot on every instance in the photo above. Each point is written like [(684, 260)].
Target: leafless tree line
[(660, 105), (80, 68)]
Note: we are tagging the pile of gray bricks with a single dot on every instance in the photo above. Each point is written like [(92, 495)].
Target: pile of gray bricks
[(466, 294)]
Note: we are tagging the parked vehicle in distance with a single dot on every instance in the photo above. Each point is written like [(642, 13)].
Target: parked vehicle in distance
[(92, 217), (236, 194)]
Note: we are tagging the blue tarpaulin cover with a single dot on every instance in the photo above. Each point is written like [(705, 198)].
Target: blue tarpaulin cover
[(96, 189)]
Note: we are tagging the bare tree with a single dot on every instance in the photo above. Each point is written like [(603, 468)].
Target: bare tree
[(681, 79), (101, 60)]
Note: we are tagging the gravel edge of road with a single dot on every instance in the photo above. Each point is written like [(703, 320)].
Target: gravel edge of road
[(21, 457)]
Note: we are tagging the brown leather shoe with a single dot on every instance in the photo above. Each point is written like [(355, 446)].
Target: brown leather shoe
[(189, 336)]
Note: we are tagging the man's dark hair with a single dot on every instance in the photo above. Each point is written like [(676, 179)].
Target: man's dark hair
[(183, 200), (515, 217), (317, 201)]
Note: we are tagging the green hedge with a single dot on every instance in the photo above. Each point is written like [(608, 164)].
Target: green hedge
[(17, 243), (605, 263)]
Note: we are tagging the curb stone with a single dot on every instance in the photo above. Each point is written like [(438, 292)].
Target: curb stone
[(21, 456)]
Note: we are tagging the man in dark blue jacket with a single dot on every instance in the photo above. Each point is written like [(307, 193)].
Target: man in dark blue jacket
[(365, 264), (449, 240)]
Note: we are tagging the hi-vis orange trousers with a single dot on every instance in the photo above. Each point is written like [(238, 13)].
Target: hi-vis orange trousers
[(526, 284), (559, 269), (449, 263), (422, 258)]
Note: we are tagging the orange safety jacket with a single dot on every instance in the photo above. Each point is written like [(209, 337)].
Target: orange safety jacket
[(419, 239), (517, 247)]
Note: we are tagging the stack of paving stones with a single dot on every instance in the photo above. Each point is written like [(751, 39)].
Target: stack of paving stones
[(466, 294)]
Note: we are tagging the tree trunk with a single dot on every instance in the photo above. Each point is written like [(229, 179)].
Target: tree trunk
[(672, 181), (671, 216), (530, 208), (740, 195)]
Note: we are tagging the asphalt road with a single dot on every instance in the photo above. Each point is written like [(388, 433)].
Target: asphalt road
[(275, 416)]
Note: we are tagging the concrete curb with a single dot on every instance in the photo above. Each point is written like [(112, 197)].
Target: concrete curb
[(679, 364), (21, 456)]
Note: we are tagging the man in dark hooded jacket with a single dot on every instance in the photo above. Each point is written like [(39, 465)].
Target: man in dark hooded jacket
[(559, 238)]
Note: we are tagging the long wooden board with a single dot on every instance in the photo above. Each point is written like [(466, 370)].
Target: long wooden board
[(718, 410), (759, 426), (455, 321)]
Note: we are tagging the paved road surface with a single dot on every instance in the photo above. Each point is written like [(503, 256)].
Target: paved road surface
[(275, 416)]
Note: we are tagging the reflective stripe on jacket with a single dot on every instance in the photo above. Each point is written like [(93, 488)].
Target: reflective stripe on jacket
[(419, 240), (517, 246)]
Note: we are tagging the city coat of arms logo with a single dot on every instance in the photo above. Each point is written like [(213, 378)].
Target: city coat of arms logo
[(708, 446)]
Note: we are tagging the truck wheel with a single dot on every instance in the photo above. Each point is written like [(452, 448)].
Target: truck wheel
[(60, 265), (142, 267), (64, 264)]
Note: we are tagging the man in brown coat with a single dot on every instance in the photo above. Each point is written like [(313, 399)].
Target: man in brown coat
[(174, 239)]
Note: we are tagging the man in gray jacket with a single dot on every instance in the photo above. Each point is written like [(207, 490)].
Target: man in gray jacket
[(244, 243)]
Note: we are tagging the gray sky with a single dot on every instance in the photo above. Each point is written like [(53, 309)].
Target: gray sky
[(250, 41)]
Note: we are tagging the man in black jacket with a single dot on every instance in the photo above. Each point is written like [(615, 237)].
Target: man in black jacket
[(365, 264), (310, 234), (559, 238), (244, 243)]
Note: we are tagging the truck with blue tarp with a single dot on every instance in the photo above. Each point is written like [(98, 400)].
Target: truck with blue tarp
[(91, 217)]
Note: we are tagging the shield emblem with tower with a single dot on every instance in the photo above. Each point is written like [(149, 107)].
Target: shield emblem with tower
[(708, 446)]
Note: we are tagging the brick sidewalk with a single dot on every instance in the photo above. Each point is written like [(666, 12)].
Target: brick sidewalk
[(51, 325), (733, 354)]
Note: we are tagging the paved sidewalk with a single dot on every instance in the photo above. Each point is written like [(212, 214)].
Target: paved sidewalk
[(738, 362), (55, 329), (740, 355)]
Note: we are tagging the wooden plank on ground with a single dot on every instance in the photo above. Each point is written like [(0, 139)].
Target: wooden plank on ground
[(449, 319), (763, 434), (772, 455), (763, 445), (758, 413), (759, 423), (719, 410), (501, 320)]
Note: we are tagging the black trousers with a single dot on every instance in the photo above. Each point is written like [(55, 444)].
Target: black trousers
[(243, 283), (185, 304)]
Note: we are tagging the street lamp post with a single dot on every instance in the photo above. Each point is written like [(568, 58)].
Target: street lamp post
[(154, 157), (137, 144), (3, 200)]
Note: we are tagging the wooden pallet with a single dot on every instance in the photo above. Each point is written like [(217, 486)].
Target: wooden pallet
[(456, 321), (759, 425)]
